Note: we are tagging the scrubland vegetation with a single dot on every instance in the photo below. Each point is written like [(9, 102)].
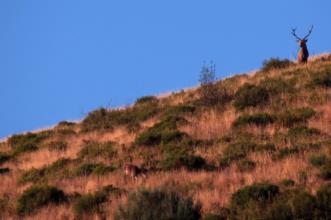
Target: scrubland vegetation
[(254, 146)]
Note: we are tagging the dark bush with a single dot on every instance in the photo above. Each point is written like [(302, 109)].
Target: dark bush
[(179, 110), (288, 182), (97, 120), (277, 86), (164, 132), (27, 142), (177, 158), (246, 165), (303, 131), (38, 196), (4, 170), (322, 79), (93, 150), (235, 152), (92, 168), (323, 197), (304, 206), (56, 169), (33, 175), (66, 124), (318, 160), (275, 64), (161, 205), (90, 203), (325, 172), (258, 119), (298, 116), (250, 201), (265, 147), (103, 119), (285, 152), (224, 215), (57, 145), (250, 96), (146, 99), (4, 157), (213, 94)]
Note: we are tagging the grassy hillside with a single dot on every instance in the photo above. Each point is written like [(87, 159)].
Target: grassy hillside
[(249, 146)]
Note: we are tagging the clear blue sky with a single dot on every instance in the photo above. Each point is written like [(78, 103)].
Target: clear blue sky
[(60, 59)]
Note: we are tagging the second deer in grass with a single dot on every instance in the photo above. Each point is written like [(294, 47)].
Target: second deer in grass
[(133, 171)]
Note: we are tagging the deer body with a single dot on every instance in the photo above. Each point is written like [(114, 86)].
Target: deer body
[(303, 53), (132, 170)]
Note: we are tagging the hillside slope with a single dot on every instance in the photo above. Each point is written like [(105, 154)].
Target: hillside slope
[(247, 146)]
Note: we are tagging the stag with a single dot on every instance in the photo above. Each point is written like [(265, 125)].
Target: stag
[(133, 171), (303, 53)]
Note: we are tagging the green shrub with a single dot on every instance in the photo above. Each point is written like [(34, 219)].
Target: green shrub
[(222, 214), (161, 205), (177, 158), (250, 201), (33, 175), (322, 79), (303, 131), (288, 182), (250, 96), (38, 196), (265, 147), (97, 120), (91, 203), (246, 165), (258, 119), (275, 64), (323, 197), (4, 170), (21, 143), (57, 145), (93, 150), (4, 157), (285, 152), (277, 86), (318, 160), (235, 152), (213, 94), (304, 206), (325, 172), (92, 168), (146, 99), (296, 116), (41, 175), (164, 132), (179, 110), (66, 124), (28, 142), (103, 119)]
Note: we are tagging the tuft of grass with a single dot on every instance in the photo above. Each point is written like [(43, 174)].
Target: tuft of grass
[(38, 196)]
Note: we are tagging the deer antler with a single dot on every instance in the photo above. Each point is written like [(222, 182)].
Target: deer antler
[(310, 30), (294, 34)]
